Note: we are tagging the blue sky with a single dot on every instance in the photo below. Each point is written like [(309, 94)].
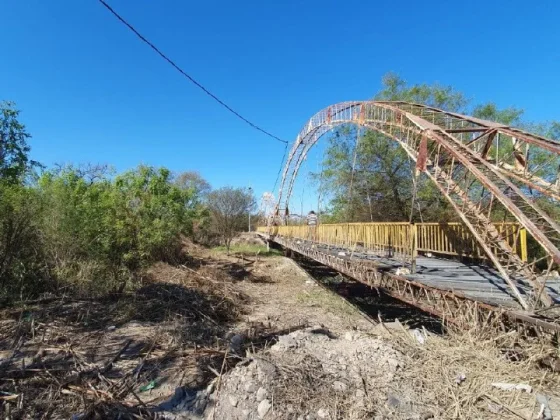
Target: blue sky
[(89, 91)]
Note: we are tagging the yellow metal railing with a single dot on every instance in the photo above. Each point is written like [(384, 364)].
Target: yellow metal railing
[(404, 238), (456, 239), (374, 236)]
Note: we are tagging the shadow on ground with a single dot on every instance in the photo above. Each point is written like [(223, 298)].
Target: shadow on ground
[(70, 355), (121, 355), (372, 302)]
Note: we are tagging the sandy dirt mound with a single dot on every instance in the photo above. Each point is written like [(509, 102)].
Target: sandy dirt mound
[(310, 374)]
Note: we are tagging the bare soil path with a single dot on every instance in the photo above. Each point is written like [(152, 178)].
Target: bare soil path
[(403, 367), (251, 337)]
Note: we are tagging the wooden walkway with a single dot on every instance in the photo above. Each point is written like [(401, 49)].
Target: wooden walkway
[(473, 281)]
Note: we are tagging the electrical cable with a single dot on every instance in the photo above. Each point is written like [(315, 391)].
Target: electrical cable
[(190, 78), (281, 166)]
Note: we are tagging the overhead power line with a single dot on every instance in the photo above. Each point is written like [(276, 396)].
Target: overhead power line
[(200, 86), (281, 167)]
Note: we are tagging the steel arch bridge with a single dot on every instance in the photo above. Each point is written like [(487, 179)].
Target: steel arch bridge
[(477, 165)]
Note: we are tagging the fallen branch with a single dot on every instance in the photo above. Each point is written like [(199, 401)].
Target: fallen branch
[(199, 275), (511, 410), (109, 365)]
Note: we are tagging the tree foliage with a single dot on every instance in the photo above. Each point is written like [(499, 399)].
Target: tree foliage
[(14, 150), (229, 208), (192, 180), (90, 235), (370, 177), (445, 97), (24, 269), (81, 228)]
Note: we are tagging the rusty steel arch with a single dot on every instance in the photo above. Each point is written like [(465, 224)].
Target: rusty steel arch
[(459, 159)]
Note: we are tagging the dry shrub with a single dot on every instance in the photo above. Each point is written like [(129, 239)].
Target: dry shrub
[(452, 375), (169, 329), (302, 383)]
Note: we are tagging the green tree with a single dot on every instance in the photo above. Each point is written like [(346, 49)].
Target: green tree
[(24, 267), (394, 88), (14, 150), (192, 180), (101, 231), (22, 264), (80, 228), (370, 177), (152, 214)]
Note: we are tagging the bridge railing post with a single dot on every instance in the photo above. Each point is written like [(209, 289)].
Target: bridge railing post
[(413, 247), (523, 241)]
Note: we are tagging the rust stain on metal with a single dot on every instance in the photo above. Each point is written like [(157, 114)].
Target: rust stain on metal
[(474, 145), (453, 307)]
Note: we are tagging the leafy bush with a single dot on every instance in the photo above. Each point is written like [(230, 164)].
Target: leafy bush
[(24, 269), (81, 230), (151, 215), (90, 234), (105, 231)]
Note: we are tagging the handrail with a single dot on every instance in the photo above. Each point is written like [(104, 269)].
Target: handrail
[(405, 239), (456, 239)]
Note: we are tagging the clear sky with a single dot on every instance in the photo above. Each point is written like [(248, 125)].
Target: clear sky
[(90, 91)]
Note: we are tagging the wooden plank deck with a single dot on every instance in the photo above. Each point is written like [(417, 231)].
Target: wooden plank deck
[(474, 281)]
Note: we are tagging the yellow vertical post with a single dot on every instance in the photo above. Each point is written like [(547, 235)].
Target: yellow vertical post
[(523, 243), (413, 247)]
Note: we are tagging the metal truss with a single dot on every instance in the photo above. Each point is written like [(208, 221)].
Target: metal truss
[(452, 307), (477, 165), (519, 155)]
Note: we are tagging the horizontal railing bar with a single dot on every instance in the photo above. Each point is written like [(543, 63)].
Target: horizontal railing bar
[(403, 238)]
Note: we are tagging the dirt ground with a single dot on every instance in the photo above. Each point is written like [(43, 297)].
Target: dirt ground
[(361, 355), (250, 337)]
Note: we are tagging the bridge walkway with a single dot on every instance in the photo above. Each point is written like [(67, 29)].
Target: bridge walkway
[(474, 281)]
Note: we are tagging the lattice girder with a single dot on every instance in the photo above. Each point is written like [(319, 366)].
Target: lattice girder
[(463, 173)]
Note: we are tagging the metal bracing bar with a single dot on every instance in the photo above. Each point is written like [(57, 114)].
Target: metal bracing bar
[(521, 136), (508, 203), (388, 119), (486, 132), (438, 176), (488, 144), (467, 130), (452, 307)]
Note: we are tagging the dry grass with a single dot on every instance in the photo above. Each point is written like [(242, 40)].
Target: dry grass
[(434, 370), (447, 377), (248, 250), (327, 301), (60, 357), (302, 383)]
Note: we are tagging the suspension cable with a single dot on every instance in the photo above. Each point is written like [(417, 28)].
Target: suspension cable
[(320, 187), (358, 137)]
